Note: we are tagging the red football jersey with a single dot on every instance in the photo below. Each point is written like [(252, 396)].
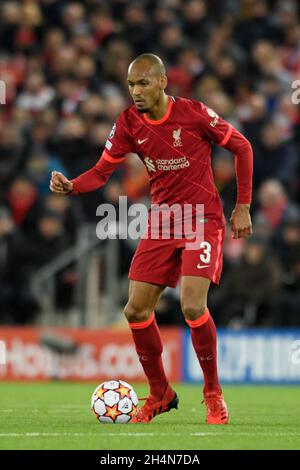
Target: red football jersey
[(176, 151)]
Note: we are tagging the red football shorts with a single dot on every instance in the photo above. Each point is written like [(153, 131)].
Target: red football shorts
[(164, 261)]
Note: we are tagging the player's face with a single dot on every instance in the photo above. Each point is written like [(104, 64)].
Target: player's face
[(145, 87)]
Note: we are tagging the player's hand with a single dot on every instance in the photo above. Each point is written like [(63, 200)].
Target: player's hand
[(240, 221), (60, 184)]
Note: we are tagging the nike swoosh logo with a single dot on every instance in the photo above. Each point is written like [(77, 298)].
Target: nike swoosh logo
[(202, 267), (142, 141)]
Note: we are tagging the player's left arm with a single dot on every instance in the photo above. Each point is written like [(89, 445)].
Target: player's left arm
[(240, 220), (214, 128)]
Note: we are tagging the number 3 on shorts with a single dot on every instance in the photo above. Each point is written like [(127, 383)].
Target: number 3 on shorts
[(206, 255)]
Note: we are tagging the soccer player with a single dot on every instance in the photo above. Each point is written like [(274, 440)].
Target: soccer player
[(173, 136)]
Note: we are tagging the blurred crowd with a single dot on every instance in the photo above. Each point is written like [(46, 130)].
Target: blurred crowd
[(65, 63)]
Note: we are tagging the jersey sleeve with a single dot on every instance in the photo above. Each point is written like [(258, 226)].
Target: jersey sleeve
[(243, 158), (97, 176), (215, 129), (120, 141), (118, 144), (211, 126)]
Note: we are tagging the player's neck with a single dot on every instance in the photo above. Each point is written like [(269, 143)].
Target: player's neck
[(160, 109)]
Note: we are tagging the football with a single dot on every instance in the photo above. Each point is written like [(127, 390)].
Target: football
[(114, 402)]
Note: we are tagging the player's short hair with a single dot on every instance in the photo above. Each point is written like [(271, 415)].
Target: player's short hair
[(153, 60)]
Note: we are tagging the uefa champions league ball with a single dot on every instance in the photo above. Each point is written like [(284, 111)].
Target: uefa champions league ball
[(114, 402)]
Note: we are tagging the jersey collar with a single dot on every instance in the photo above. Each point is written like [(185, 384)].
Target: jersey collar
[(155, 122)]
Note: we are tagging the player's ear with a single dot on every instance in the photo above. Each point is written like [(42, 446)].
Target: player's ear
[(163, 82)]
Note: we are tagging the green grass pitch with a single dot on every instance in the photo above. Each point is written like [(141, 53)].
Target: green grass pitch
[(58, 416)]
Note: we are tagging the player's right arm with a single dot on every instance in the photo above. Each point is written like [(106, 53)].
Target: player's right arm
[(119, 143), (88, 181)]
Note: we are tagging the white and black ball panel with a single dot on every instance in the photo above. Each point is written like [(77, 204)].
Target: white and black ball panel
[(125, 405), (111, 384), (111, 398), (123, 419), (99, 407), (106, 420)]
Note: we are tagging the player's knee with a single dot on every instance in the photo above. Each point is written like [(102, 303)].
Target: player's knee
[(192, 312), (136, 314)]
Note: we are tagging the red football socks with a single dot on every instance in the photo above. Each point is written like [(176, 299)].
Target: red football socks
[(149, 348), (204, 339)]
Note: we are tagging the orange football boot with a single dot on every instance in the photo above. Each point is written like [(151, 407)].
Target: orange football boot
[(216, 408), (154, 407)]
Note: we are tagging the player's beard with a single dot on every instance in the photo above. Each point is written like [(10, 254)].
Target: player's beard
[(146, 109), (142, 110)]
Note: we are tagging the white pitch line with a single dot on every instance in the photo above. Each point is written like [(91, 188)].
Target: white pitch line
[(67, 409), (72, 434), (58, 410), (151, 434)]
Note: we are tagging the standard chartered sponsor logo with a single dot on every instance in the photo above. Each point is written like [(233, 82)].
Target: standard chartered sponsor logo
[(167, 164), (173, 164), (150, 164)]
